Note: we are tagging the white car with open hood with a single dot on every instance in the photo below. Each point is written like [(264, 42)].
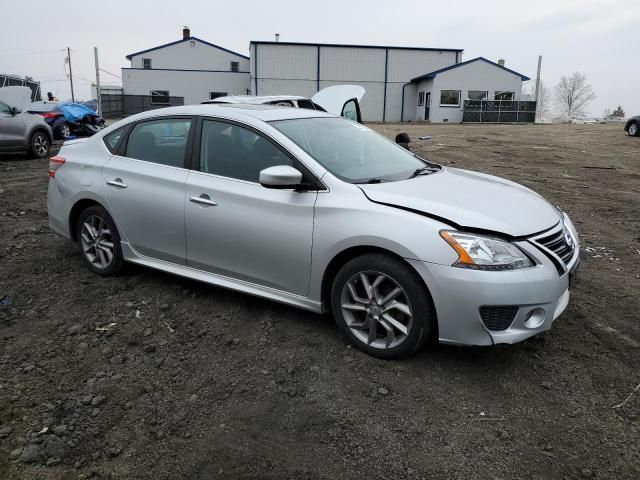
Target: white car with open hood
[(342, 100)]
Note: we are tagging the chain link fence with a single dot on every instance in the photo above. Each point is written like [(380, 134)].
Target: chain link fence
[(498, 111), (124, 105)]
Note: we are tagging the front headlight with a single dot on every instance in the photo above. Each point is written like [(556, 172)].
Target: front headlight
[(485, 253)]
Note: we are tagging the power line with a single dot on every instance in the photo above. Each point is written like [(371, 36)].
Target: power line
[(35, 52), (112, 74)]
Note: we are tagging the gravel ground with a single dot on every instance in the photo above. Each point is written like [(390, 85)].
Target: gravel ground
[(151, 376)]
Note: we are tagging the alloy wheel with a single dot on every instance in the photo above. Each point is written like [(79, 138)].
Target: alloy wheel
[(40, 144), (376, 309), (97, 242), (66, 131), (633, 129)]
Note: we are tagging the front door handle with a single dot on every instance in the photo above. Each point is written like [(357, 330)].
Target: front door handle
[(117, 183), (203, 199)]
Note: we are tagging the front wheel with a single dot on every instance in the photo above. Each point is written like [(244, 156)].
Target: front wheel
[(382, 306), (99, 241), (634, 130), (64, 131), (39, 145)]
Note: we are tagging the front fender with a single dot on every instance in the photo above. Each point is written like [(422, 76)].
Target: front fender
[(343, 223)]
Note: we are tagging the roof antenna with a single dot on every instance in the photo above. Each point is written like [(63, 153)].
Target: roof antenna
[(277, 37)]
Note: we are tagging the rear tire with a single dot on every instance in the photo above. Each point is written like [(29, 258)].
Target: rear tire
[(99, 241), (634, 130), (382, 306), (39, 144)]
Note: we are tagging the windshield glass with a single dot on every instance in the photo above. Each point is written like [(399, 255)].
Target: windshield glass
[(350, 151)]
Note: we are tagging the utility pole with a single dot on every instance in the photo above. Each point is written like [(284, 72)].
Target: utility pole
[(98, 89), (73, 97), (538, 81)]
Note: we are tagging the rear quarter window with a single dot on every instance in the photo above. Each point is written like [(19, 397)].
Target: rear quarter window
[(308, 104), (113, 139)]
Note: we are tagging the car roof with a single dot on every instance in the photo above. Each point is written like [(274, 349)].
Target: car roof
[(253, 99), (266, 113)]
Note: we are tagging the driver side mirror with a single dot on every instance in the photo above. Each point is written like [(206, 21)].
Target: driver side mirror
[(280, 177), (13, 111)]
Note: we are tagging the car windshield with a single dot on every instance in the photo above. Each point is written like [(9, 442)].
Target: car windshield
[(351, 151)]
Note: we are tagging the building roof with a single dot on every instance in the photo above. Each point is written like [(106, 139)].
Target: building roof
[(131, 55), (391, 47), (457, 65)]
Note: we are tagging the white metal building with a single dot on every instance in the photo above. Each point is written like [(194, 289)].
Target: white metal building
[(305, 68), (191, 68), (401, 83), (440, 94)]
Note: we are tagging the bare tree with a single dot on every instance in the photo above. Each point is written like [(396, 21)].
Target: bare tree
[(573, 94), (606, 113), (618, 112), (542, 107)]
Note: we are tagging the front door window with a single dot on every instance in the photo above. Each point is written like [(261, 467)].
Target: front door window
[(232, 151), (350, 110)]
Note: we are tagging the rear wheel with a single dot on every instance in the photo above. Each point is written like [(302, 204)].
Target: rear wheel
[(39, 144), (634, 130), (382, 306), (99, 241)]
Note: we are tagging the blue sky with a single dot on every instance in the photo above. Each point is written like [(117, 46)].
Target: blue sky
[(598, 38)]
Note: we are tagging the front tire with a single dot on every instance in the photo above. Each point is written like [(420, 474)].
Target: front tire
[(382, 306), (634, 130), (99, 241), (39, 144), (62, 131)]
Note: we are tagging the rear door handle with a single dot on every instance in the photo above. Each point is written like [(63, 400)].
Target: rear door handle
[(203, 199), (117, 183)]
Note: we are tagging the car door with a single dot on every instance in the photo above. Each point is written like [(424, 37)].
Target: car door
[(145, 186), (341, 100), (12, 127), (238, 228)]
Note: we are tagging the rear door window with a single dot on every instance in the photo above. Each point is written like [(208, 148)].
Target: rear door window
[(160, 141)]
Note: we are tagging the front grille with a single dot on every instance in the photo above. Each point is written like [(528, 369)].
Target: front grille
[(560, 243), (497, 319)]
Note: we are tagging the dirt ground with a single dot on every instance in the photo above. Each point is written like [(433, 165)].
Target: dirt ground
[(151, 376)]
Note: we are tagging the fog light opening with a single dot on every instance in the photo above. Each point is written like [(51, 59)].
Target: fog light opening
[(535, 318)]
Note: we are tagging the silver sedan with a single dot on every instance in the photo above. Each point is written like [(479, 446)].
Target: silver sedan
[(322, 213)]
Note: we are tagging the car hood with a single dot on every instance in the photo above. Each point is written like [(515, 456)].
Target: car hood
[(470, 200), (333, 98), (17, 97)]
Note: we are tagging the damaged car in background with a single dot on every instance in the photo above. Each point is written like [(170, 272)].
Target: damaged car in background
[(68, 119), (319, 212)]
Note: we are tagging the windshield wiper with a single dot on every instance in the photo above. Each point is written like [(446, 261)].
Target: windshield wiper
[(423, 171), (372, 180)]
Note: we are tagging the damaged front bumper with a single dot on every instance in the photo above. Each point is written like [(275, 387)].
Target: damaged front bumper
[(486, 308)]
